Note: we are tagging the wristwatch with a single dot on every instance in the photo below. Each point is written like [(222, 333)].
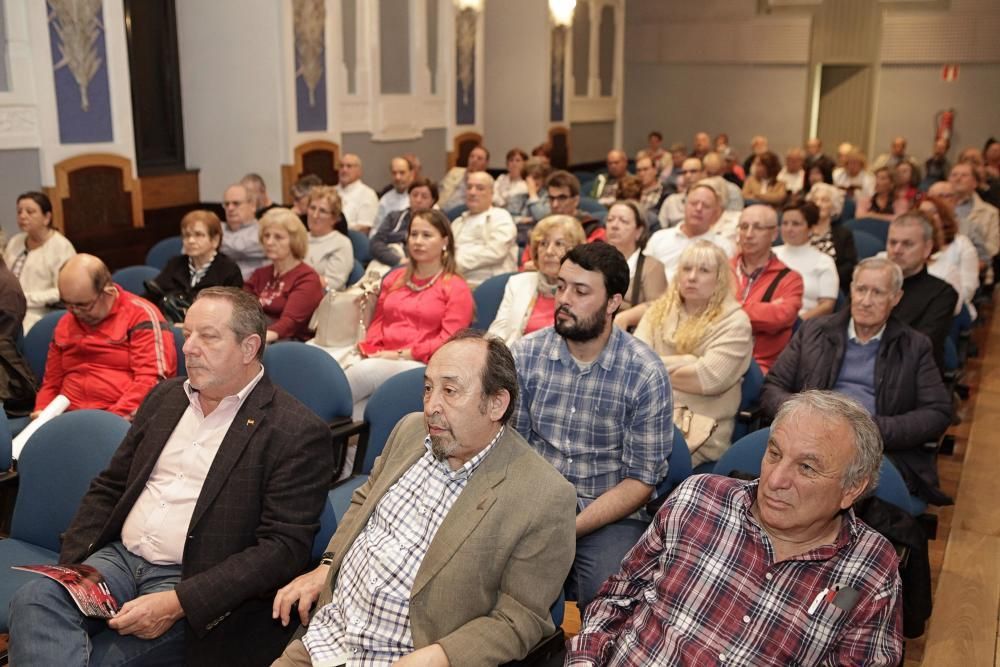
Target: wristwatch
[(326, 558)]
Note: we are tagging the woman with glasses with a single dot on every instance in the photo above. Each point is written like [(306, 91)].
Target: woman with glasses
[(529, 298), (199, 266), (330, 253), (704, 338), (36, 254)]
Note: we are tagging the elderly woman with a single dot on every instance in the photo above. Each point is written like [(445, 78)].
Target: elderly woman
[(529, 299), (421, 306), (199, 266), (763, 185), (853, 178), (36, 254), (955, 261), (819, 272), (289, 290), (330, 253), (626, 231), (300, 196), (833, 239), (704, 339)]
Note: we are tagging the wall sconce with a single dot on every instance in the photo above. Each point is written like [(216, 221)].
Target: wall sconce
[(465, 37), (562, 12)]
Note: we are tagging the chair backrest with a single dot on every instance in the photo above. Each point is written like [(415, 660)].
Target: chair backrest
[(750, 390), (591, 205), (398, 396), (679, 465), (37, 340), (848, 210), (357, 273), (559, 147), (55, 469), (891, 487), (875, 226), (312, 157), (311, 375), (327, 527), (179, 346), (744, 455), (361, 245), (163, 251), (455, 211), (867, 245), (488, 296), (133, 277)]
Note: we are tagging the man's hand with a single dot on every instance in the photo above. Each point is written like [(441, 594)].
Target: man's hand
[(148, 616), (34, 415), (428, 656), (305, 590)]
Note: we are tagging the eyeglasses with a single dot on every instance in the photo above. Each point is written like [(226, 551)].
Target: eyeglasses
[(81, 307), (744, 227), (560, 197), (320, 211)]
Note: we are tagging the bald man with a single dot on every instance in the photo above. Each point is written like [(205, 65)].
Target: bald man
[(110, 349), (360, 203), (606, 187)]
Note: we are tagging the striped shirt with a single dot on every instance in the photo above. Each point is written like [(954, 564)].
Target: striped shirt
[(701, 588), (368, 621), (599, 424)]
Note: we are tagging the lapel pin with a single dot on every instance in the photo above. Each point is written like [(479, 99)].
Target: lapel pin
[(250, 422)]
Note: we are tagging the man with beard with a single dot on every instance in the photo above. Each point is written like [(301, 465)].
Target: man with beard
[(454, 549), (596, 404)]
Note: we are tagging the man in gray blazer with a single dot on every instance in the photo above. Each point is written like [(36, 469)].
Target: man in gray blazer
[(209, 505), (457, 545)]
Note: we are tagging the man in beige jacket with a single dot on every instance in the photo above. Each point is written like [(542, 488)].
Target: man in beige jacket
[(457, 545)]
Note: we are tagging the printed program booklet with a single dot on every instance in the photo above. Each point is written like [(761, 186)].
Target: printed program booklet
[(85, 585)]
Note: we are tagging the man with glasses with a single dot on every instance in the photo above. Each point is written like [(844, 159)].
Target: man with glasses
[(240, 241), (771, 293), (672, 211), (110, 349), (563, 191), (866, 353)]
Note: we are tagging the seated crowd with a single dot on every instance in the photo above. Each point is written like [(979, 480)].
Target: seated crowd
[(641, 304)]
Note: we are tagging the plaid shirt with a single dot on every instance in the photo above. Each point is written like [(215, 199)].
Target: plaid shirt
[(599, 425), (368, 621), (701, 587)]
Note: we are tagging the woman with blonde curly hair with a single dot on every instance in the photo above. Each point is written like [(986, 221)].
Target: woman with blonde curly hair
[(704, 339)]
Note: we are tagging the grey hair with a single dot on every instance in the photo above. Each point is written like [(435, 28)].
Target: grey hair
[(883, 263), (483, 175), (835, 193), (833, 406), (918, 218)]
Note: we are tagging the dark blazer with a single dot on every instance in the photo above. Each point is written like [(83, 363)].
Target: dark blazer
[(253, 524), (176, 279), (911, 403)]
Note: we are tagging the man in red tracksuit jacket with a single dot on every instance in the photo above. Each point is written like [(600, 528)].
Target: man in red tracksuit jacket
[(110, 349)]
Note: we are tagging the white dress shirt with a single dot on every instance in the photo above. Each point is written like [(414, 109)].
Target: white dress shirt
[(667, 245), (360, 204), (156, 527)]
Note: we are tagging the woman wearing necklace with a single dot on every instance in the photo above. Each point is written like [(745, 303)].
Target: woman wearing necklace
[(529, 298), (36, 255), (421, 305), (831, 237), (289, 290)]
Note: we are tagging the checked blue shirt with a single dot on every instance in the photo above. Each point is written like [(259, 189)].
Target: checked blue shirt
[(600, 424)]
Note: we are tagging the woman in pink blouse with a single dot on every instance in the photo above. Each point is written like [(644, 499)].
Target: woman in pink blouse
[(289, 290), (421, 305)]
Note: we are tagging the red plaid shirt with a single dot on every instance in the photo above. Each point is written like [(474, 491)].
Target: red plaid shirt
[(701, 587)]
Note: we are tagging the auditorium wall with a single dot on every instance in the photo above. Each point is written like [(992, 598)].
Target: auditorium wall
[(20, 169)]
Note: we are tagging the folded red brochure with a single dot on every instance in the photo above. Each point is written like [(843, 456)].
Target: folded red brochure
[(85, 585)]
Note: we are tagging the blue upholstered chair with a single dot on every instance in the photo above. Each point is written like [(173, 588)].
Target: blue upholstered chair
[(488, 297), (37, 340), (867, 245), (179, 346), (163, 251), (455, 211), (362, 251), (875, 226), (55, 469), (357, 273), (133, 277)]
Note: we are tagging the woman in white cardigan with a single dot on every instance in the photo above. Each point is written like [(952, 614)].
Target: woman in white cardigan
[(36, 255), (955, 261), (529, 298), (704, 339)]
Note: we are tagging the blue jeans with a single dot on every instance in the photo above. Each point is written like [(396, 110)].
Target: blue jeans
[(46, 628), (598, 556)]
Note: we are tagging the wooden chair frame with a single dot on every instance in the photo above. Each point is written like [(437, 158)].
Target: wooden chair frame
[(457, 144), (292, 172), (63, 170)]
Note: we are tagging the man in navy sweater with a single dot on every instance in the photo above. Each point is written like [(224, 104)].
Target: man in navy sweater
[(887, 366)]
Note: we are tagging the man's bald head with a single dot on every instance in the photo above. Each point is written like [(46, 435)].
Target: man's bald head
[(86, 289)]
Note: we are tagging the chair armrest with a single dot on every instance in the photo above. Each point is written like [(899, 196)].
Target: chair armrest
[(342, 430)]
